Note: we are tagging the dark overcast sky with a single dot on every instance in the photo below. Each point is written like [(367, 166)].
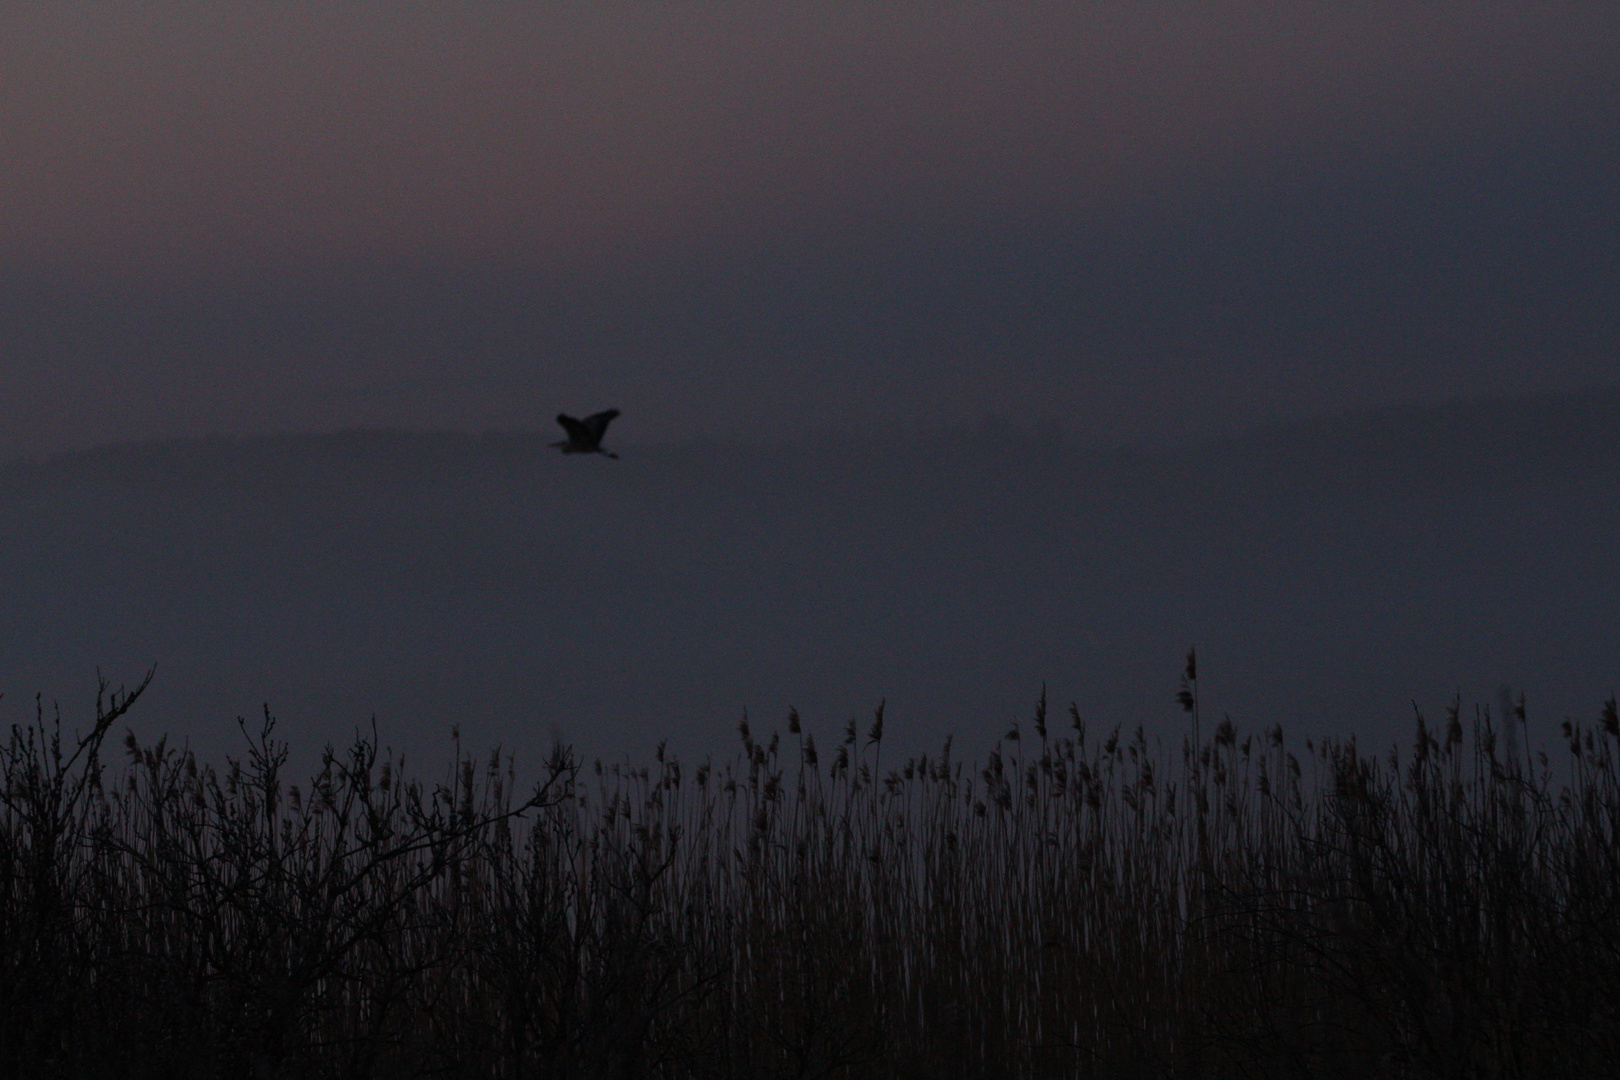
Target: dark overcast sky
[(1138, 218)]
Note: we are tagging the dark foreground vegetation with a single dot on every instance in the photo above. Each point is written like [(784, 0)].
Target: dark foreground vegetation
[(1079, 904)]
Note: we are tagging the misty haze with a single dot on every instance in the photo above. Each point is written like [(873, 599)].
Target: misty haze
[(882, 541), (1332, 573)]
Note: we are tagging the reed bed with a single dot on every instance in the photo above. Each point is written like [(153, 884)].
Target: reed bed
[(1076, 904)]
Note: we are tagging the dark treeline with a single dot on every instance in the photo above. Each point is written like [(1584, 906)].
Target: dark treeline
[(1078, 904)]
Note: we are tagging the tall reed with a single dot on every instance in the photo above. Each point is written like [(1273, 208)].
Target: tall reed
[(1075, 904)]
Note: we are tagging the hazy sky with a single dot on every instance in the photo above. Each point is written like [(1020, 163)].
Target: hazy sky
[(1138, 218)]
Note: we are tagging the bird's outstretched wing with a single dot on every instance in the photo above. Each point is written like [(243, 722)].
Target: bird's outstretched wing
[(597, 424), (578, 433)]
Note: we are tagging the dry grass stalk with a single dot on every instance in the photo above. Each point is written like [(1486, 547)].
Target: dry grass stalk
[(1068, 907)]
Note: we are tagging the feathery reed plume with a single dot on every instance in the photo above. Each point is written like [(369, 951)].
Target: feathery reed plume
[(1058, 910)]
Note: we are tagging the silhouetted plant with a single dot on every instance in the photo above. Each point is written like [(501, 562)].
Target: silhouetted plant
[(1069, 906)]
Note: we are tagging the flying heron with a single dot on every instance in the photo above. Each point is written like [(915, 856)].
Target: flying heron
[(585, 436)]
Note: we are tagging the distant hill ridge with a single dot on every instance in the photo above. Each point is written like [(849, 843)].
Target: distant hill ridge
[(1506, 439), (1492, 440), (1330, 570)]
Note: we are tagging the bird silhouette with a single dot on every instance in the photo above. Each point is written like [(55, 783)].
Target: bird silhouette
[(585, 436)]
